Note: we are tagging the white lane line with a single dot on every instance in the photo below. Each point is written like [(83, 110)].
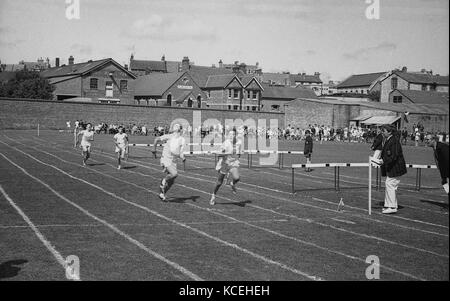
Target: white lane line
[(112, 227), (267, 230), (137, 225), (232, 245), (343, 221), (137, 162), (38, 233)]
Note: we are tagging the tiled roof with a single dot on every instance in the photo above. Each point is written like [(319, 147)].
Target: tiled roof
[(155, 84), (148, 65), (200, 74), (425, 97), (434, 109), (80, 68), (287, 92), (219, 81), (74, 69), (360, 80), (423, 78), (305, 78)]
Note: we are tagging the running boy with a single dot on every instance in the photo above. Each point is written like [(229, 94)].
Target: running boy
[(228, 163), (121, 141), (87, 136), (173, 148)]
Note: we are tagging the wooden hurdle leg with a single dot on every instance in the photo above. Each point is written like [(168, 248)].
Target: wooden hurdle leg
[(248, 160), (338, 178), (370, 186), (335, 179)]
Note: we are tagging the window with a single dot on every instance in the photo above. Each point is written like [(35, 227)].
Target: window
[(394, 83), (249, 94), (229, 93), (93, 83), (275, 107), (255, 94), (248, 108), (397, 99), (433, 87), (424, 87), (123, 85), (236, 94), (235, 108), (408, 87), (229, 107), (253, 108)]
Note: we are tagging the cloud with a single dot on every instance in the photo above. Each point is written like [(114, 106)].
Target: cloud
[(13, 43), (82, 49), (157, 28), (368, 52)]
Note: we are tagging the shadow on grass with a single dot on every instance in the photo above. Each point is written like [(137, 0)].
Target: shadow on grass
[(240, 204), (183, 200), (95, 164), (129, 167), (380, 205), (439, 204), (328, 189), (9, 269)]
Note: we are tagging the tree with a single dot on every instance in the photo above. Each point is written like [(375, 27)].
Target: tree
[(27, 84)]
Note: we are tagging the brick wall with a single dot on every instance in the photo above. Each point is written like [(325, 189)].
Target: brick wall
[(25, 114), (386, 87)]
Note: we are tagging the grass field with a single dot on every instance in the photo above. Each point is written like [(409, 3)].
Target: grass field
[(52, 207)]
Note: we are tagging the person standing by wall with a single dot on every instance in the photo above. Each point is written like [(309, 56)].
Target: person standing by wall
[(307, 151), (392, 167), (440, 152)]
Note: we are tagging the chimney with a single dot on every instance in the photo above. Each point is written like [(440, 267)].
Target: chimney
[(71, 60), (317, 73), (163, 58), (423, 71), (57, 62), (220, 63), (132, 57), (235, 69), (404, 69), (185, 64)]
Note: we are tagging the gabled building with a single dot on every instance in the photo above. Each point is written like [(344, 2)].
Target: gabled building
[(308, 81), (169, 89), (418, 81), (144, 67), (104, 81), (274, 98), (278, 79), (361, 83), (418, 97)]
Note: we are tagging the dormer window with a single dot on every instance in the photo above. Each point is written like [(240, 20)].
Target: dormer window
[(235, 94), (394, 83)]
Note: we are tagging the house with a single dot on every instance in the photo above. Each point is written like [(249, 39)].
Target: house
[(38, 66), (143, 67), (309, 81), (248, 69), (418, 97), (275, 97), (104, 81), (360, 83), (168, 89), (276, 78), (418, 81)]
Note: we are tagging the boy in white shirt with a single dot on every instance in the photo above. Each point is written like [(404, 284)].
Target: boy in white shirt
[(173, 148), (87, 136), (121, 141)]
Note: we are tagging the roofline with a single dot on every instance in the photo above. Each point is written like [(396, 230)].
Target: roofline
[(235, 76), (108, 60), (396, 72), (254, 79)]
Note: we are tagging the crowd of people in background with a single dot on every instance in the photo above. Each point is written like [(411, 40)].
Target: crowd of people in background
[(318, 133)]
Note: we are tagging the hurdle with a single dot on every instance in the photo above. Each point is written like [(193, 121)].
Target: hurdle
[(370, 164), (280, 154)]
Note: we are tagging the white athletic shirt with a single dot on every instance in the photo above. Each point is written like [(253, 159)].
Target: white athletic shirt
[(172, 148), (227, 147), (120, 139), (86, 137)]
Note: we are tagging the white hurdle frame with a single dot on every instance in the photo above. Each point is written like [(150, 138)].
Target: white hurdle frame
[(336, 166)]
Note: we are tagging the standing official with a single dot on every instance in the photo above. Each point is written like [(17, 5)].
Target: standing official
[(440, 152), (307, 151), (392, 167)]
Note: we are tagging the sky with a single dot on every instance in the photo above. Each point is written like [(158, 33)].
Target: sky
[(332, 37)]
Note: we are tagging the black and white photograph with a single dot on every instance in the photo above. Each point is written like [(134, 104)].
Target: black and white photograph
[(224, 147)]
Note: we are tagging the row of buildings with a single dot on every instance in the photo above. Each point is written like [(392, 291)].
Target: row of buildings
[(241, 87)]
